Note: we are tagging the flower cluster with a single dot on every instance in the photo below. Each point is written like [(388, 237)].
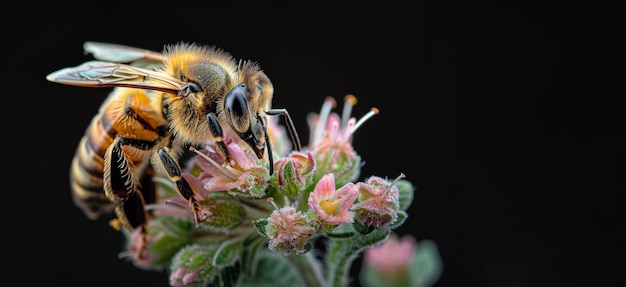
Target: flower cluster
[(251, 226)]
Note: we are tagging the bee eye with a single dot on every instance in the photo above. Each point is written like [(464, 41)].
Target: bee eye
[(193, 87), (236, 109)]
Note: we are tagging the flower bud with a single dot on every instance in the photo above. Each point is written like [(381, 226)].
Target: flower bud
[(192, 266), (295, 172), (153, 249), (220, 211)]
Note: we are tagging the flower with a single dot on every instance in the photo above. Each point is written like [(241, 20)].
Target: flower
[(243, 176), (331, 140), (243, 224), (412, 264), (289, 231), (378, 256), (378, 202), (332, 206)]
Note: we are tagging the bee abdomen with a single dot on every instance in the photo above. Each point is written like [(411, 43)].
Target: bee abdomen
[(86, 182)]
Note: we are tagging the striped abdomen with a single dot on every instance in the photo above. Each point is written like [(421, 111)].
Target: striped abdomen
[(128, 115)]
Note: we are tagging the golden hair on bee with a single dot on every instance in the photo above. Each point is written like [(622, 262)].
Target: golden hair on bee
[(186, 95)]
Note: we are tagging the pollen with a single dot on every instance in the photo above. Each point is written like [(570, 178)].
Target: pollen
[(330, 206)]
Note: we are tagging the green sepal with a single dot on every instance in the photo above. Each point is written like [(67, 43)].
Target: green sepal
[(400, 219), (291, 187), (361, 227), (261, 226), (170, 235), (406, 192), (226, 212)]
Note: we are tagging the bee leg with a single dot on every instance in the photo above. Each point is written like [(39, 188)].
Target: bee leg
[(184, 189), (131, 196), (132, 215), (295, 139), (218, 136)]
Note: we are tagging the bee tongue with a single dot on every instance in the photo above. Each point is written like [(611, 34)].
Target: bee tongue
[(258, 150)]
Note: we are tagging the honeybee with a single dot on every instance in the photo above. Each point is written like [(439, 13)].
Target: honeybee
[(189, 94)]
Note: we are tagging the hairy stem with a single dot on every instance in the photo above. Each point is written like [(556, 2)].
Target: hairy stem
[(308, 269), (342, 252)]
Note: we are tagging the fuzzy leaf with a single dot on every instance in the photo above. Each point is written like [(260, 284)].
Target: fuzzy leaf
[(251, 247), (228, 253), (273, 270), (427, 266)]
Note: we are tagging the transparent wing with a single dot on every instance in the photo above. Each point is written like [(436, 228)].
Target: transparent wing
[(137, 57), (100, 74)]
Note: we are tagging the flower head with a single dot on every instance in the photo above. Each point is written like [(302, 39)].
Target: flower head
[(331, 140), (402, 250), (243, 176), (378, 202), (330, 204), (289, 231)]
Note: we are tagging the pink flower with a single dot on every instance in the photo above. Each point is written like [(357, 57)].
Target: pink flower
[(137, 250), (331, 139), (243, 176), (289, 230), (378, 202), (332, 206), (392, 256)]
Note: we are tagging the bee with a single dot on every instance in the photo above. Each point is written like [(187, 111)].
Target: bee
[(162, 102)]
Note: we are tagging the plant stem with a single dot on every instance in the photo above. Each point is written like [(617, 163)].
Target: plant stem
[(308, 269)]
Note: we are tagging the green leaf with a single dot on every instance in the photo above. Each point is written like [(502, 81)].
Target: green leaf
[(427, 266), (251, 247), (228, 252), (227, 277), (273, 270)]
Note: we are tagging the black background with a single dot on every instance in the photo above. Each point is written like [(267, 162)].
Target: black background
[(504, 116)]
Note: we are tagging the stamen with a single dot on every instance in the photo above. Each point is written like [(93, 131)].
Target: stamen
[(349, 102), (179, 204), (371, 113), (167, 206), (401, 176), (328, 105), (228, 173), (271, 201)]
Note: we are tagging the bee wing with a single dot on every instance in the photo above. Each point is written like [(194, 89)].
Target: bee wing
[(99, 74), (124, 54)]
